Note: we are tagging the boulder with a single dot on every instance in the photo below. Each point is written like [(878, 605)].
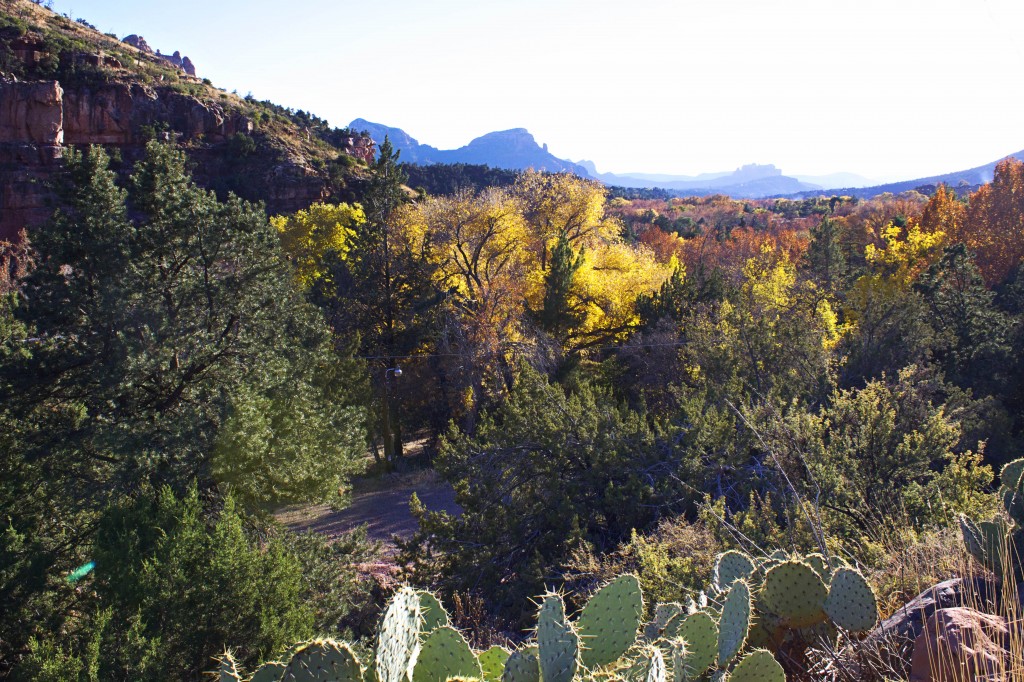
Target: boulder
[(961, 644), (893, 641)]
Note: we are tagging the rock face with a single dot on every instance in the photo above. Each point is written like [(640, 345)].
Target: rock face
[(31, 139), (115, 115), (38, 118), (31, 113), (961, 645)]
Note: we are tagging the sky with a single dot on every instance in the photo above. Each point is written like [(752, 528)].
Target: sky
[(892, 89)]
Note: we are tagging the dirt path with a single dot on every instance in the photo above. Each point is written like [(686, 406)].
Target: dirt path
[(381, 504)]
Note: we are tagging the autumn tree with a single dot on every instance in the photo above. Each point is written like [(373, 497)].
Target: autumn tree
[(562, 204), (315, 237), (476, 245), (994, 229)]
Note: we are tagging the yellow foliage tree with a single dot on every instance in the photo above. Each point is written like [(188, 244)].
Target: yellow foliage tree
[(605, 289), (563, 204), (310, 237)]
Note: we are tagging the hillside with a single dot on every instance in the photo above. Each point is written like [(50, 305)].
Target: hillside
[(962, 181), (64, 83)]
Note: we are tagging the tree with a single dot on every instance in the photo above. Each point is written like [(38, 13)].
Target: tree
[(182, 583), (562, 204), (974, 339), (560, 313), (312, 238), (545, 472), (994, 230), (147, 328), (825, 259)]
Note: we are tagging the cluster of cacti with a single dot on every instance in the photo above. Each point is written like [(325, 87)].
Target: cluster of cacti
[(999, 545), (776, 603), (749, 602)]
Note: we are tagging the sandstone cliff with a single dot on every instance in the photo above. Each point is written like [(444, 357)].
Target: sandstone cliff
[(70, 85)]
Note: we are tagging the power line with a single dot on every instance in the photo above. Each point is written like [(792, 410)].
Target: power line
[(676, 344)]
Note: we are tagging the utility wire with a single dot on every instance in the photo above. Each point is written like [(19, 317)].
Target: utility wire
[(676, 344)]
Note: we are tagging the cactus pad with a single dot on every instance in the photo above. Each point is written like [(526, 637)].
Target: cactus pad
[(656, 667), (663, 613), (734, 623), (522, 666), (851, 604), (795, 593), (227, 669), (272, 671), (678, 653), (700, 633), (398, 637), (323, 660), (444, 653), (758, 666), (1011, 488), (609, 622), (433, 614), (974, 541), (492, 663), (731, 566), (558, 645)]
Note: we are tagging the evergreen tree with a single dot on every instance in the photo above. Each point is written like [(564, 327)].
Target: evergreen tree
[(560, 312), (148, 328), (825, 259)]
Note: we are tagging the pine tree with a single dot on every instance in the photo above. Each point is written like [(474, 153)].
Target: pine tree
[(560, 313)]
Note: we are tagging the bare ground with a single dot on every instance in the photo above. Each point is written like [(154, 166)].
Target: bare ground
[(381, 504)]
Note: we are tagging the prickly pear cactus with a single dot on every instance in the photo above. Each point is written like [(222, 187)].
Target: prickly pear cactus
[(820, 565), (758, 666), (678, 653), (731, 566), (609, 622), (851, 604), (522, 665), (492, 662), (1011, 489), (663, 613), (398, 637), (443, 654), (656, 666), (433, 614), (323, 660), (271, 671), (558, 646), (227, 668), (734, 623), (700, 633), (795, 593)]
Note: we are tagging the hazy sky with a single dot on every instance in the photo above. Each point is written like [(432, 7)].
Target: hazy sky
[(887, 89)]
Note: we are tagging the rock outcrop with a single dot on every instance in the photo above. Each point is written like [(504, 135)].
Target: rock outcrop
[(117, 114), (31, 139), (962, 645), (183, 63), (38, 118)]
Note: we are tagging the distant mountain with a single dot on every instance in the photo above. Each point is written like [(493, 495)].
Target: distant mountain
[(836, 180), (752, 181), (968, 180), (513, 149)]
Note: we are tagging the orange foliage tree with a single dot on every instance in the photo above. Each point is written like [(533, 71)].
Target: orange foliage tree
[(995, 223)]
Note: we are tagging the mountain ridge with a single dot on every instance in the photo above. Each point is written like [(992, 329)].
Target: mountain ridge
[(515, 149)]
